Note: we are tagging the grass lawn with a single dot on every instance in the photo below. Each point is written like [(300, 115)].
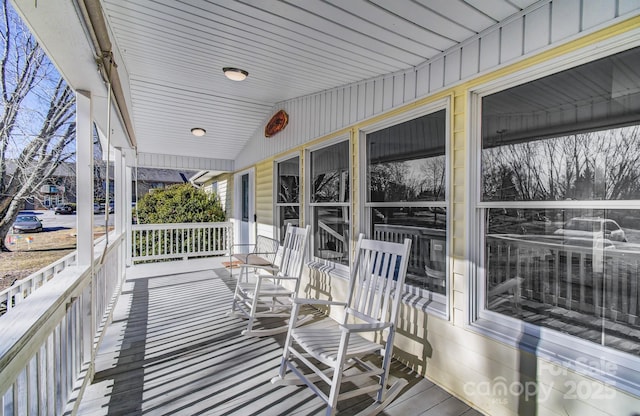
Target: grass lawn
[(31, 252)]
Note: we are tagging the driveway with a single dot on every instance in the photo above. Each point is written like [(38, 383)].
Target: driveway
[(53, 222)]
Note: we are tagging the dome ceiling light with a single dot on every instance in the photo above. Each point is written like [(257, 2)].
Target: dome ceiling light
[(235, 74), (198, 131)]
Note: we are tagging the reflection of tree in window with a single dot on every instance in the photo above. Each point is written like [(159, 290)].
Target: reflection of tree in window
[(589, 166), (327, 187)]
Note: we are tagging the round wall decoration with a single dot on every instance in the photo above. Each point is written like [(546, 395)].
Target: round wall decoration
[(278, 122)]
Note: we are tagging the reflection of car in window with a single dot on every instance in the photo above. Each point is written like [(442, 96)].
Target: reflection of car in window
[(586, 227)]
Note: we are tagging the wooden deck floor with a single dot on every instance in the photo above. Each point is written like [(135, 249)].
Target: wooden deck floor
[(171, 350)]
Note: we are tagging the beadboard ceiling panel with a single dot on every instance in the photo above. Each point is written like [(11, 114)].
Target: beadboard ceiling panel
[(174, 52)]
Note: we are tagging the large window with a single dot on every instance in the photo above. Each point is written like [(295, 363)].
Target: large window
[(406, 172), (329, 202), (559, 202), (288, 189)]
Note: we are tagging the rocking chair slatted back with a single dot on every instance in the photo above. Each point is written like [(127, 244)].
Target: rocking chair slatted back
[(376, 277), (293, 251)]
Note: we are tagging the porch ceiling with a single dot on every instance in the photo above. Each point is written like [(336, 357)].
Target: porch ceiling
[(171, 54)]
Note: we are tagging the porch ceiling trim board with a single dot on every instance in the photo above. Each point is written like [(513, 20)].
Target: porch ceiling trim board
[(169, 161)]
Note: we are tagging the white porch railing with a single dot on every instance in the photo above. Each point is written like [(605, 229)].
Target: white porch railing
[(49, 339), (152, 242), (13, 295)]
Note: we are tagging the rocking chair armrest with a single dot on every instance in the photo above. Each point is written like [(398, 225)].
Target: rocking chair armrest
[(241, 245), (365, 327), (276, 277), (255, 261), (266, 267), (305, 301)]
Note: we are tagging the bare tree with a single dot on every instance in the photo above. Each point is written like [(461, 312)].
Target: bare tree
[(433, 171), (37, 126)]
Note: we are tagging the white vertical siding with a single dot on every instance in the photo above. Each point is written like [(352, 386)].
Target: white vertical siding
[(537, 28), (511, 45), (565, 19), (470, 58), (544, 25), (598, 12)]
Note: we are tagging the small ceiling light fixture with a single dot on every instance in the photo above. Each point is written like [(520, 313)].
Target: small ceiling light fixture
[(235, 74), (198, 131)]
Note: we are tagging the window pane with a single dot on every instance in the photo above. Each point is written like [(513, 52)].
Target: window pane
[(574, 270), (289, 180), (331, 238), (426, 227), (288, 215), (330, 173), (406, 162)]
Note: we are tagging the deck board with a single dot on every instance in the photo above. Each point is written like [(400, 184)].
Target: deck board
[(172, 350)]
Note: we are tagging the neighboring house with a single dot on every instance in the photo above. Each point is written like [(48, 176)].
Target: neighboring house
[(220, 187), (146, 179), (61, 187)]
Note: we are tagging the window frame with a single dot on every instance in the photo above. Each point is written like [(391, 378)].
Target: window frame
[(614, 367), (340, 269), (433, 303)]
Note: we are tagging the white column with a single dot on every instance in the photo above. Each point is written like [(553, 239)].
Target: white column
[(84, 178), (128, 198), (118, 181)]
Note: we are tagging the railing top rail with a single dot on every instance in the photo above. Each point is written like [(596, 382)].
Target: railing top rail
[(181, 225)]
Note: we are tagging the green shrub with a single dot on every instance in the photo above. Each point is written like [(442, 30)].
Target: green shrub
[(177, 204)]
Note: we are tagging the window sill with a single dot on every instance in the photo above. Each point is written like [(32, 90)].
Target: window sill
[(429, 302)]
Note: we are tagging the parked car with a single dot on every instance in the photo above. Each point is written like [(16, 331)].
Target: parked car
[(27, 224), (64, 209), (589, 227), (98, 208)]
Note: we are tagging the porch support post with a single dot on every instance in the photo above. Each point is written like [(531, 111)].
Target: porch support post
[(118, 180), (128, 198), (84, 178)]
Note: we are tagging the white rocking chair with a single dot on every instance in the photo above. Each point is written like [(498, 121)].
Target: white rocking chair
[(329, 348), (265, 295)]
